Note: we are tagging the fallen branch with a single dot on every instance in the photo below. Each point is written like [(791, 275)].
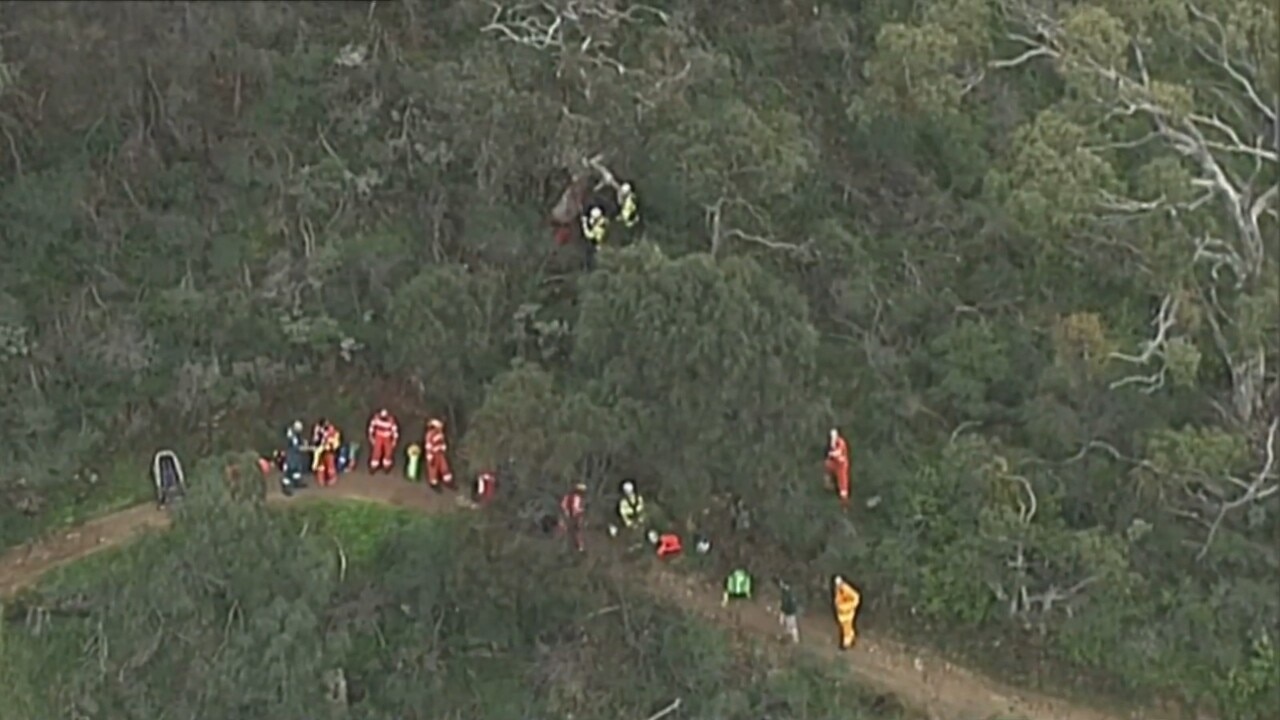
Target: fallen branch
[(602, 611), (342, 560), (675, 705), (607, 178)]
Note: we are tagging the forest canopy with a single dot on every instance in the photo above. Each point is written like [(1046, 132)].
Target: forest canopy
[(1023, 254)]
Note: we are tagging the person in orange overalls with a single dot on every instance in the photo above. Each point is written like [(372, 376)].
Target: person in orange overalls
[(384, 433), (846, 600), (438, 471), (573, 515), (325, 462), (838, 465)]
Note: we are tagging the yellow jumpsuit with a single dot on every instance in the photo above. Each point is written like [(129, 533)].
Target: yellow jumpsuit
[(846, 601)]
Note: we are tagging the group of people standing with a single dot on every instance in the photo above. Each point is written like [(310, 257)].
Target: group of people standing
[(325, 455)]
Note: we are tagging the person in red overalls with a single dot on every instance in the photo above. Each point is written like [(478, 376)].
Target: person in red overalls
[(384, 433), (438, 471), (838, 465), (325, 464), (573, 515), (486, 487)]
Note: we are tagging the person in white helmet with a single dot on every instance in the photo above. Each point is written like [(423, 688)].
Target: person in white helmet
[(631, 506), (845, 599), (594, 228), (628, 209)]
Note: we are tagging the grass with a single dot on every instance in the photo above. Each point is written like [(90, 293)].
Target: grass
[(359, 527), (125, 477), (124, 482)]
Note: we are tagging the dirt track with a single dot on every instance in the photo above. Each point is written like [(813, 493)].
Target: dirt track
[(918, 679)]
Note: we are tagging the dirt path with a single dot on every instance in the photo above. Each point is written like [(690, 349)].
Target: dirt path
[(939, 689)]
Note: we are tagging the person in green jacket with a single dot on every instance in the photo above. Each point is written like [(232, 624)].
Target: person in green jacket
[(737, 586)]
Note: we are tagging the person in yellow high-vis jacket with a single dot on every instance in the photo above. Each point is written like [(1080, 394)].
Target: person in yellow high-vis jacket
[(595, 226), (628, 208), (846, 599)]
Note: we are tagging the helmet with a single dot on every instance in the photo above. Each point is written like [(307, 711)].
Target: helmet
[(837, 579), (435, 423), (297, 426), (625, 189), (383, 413), (580, 487), (596, 213), (653, 536), (628, 488)]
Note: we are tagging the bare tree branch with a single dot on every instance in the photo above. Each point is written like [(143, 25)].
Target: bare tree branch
[(715, 218), (1221, 58), (1211, 145), (675, 705), (1259, 489), (1152, 349)]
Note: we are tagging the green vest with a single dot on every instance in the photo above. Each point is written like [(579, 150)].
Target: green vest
[(738, 584)]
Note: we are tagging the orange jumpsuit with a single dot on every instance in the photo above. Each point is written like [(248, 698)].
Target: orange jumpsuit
[(838, 467), (437, 463), (846, 603), (384, 433)]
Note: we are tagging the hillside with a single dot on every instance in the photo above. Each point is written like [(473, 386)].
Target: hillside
[(1022, 255), (357, 611)]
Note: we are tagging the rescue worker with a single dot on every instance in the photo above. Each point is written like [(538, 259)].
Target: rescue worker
[(573, 515), (438, 471), (788, 611), (347, 457), (294, 461), (665, 545), (736, 587), (384, 433), (413, 462), (628, 210), (631, 506), (594, 228), (838, 465), (325, 460), (846, 599), (486, 487), (317, 432)]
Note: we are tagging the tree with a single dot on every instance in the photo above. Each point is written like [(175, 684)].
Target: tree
[(229, 622), (713, 366), (1186, 101)]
